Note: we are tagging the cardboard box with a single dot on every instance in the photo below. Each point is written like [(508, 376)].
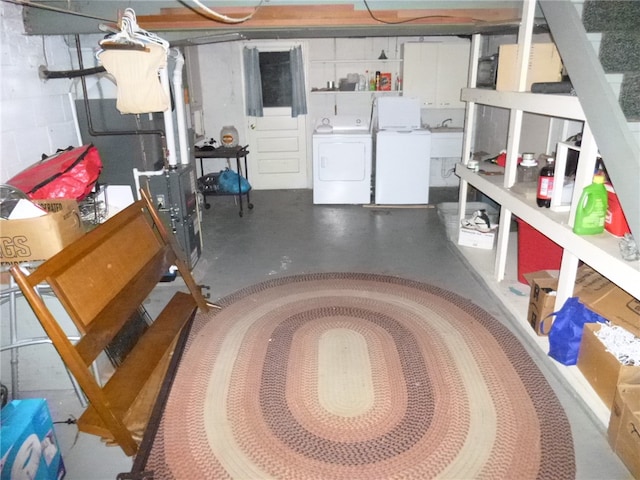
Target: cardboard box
[(596, 292), (608, 300), (28, 442), (469, 237), (603, 371), (545, 65), (624, 426), (36, 239), (541, 300)]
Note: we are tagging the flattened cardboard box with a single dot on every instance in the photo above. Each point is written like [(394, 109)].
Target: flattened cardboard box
[(601, 368), (607, 299), (624, 426), (36, 239)]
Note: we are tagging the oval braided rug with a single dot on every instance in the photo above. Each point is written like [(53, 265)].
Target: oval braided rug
[(357, 376)]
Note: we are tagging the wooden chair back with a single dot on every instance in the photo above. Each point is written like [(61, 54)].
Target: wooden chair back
[(101, 280)]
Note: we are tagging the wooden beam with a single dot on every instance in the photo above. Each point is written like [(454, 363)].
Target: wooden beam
[(320, 16)]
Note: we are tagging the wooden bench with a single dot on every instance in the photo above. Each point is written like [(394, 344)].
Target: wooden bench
[(101, 280)]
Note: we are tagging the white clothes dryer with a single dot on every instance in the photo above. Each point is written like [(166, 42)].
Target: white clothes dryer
[(342, 161)]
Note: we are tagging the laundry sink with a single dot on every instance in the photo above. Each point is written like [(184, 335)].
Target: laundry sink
[(445, 129)]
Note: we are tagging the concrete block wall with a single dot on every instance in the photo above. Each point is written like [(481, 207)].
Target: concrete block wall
[(35, 118), (35, 115)]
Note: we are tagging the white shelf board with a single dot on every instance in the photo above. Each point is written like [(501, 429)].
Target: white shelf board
[(561, 106), (601, 251), (515, 298), (359, 62), (357, 92)]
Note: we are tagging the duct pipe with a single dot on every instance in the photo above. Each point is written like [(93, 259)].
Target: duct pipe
[(181, 118), (168, 121)]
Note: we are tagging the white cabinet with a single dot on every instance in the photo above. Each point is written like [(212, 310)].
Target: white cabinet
[(435, 73)]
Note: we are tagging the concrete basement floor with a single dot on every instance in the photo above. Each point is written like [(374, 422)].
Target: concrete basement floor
[(286, 234)]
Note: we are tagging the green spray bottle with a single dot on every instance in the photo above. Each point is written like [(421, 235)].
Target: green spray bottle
[(592, 208)]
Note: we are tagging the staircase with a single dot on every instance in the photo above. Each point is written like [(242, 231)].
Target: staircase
[(612, 112), (617, 25), (613, 28)]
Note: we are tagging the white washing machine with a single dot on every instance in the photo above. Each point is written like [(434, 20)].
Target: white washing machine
[(402, 153), (342, 161)]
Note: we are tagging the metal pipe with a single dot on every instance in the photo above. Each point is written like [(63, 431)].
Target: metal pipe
[(48, 74), (180, 106), (168, 122)]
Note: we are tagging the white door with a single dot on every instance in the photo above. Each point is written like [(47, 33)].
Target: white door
[(277, 141)]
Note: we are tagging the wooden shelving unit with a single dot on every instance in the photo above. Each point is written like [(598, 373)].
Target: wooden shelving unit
[(601, 251)]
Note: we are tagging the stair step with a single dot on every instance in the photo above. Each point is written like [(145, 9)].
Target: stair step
[(615, 80), (634, 128), (603, 15), (620, 51), (595, 39), (630, 96)]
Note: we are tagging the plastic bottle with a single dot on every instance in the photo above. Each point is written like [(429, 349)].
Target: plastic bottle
[(592, 208), (527, 169), (545, 183)]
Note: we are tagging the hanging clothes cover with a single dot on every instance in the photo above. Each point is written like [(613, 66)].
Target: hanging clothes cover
[(137, 78), (70, 173)]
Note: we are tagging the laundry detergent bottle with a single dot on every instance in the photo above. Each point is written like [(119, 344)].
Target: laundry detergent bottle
[(592, 208)]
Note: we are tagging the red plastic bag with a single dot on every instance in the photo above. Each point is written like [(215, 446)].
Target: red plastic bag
[(70, 173)]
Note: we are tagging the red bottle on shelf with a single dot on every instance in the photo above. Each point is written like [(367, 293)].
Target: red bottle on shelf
[(545, 183)]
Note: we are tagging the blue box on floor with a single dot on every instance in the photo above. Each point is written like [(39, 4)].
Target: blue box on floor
[(29, 448)]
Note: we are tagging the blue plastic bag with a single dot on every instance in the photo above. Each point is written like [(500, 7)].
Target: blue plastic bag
[(228, 183), (566, 331)]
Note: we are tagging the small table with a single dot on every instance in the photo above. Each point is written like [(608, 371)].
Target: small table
[(238, 153)]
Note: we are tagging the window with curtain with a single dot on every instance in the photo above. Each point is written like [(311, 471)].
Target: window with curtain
[(274, 79)]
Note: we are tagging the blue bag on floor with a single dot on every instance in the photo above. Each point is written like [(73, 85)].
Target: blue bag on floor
[(566, 331), (228, 183)]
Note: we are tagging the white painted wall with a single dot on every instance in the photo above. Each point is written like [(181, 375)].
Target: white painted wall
[(223, 95), (35, 115), (36, 118)]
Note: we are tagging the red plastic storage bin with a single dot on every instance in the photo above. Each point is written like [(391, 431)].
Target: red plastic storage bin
[(535, 251)]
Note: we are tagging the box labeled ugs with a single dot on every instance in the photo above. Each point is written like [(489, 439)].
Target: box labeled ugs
[(29, 448), (39, 238)]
